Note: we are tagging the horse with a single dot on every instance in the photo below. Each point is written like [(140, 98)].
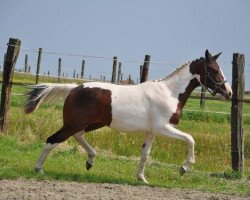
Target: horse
[(153, 107)]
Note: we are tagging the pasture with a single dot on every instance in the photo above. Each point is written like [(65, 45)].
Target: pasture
[(118, 153)]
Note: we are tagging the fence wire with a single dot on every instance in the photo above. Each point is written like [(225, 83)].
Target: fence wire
[(159, 63)]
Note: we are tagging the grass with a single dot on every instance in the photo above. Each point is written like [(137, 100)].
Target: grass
[(24, 139), (67, 163)]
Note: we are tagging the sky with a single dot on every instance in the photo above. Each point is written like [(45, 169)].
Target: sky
[(171, 32)]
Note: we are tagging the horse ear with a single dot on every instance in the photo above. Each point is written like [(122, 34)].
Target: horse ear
[(216, 56), (208, 56)]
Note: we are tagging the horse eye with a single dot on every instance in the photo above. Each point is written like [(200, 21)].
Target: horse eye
[(215, 71)]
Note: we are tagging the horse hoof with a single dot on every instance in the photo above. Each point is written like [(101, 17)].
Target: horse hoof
[(88, 165), (182, 170), (142, 179), (39, 171)]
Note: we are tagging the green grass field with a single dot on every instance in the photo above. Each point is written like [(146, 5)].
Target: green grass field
[(118, 152)]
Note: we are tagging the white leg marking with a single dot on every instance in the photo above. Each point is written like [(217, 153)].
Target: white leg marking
[(170, 131), (91, 152), (48, 147), (149, 138)]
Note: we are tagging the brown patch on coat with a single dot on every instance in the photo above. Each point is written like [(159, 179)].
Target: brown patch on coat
[(197, 66), (84, 109), (182, 101), (88, 107)]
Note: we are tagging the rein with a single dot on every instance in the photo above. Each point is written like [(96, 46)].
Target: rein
[(217, 84)]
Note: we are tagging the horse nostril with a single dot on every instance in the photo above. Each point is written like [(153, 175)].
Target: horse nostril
[(230, 94)]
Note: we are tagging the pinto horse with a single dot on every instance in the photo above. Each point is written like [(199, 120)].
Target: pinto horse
[(153, 107)]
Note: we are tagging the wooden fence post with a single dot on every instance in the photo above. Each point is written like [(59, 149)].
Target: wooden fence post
[(237, 133), (59, 69), (82, 70), (26, 64), (121, 77), (140, 71), (129, 79), (38, 64), (119, 73), (144, 76), (113, 79), (9, 64), (203, 96), (29, 70)]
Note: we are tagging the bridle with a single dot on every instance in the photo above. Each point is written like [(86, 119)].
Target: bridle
[(217, 84)]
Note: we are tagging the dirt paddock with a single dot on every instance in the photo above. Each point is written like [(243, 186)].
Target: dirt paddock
[(34, 189)]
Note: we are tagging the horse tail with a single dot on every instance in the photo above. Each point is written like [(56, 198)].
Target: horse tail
[(47, 92)]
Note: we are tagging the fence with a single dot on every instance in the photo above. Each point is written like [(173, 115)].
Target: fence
[(237, 136)]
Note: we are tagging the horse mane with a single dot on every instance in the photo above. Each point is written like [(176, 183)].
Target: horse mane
[(198, 59), (179, 69), (173, 73)]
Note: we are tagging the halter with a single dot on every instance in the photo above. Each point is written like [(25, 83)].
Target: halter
[(217, 84)]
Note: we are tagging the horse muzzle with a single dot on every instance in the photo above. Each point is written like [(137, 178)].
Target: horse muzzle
[(225, 90)]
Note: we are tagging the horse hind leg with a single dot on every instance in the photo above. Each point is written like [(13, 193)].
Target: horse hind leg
[(46, 150), (52, 141), (91, 152), (146, 147)]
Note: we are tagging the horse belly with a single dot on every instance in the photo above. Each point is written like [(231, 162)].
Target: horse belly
[(130, 115), (129, 122)]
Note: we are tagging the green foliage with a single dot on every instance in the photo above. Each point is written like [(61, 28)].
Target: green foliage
[(23, 78), (68, 163), (211, 132), (205, 117)]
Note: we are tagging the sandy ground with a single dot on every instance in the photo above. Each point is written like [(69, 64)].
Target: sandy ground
[(33, 189)]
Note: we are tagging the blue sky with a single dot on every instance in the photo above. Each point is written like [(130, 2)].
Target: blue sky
[(172, 32)]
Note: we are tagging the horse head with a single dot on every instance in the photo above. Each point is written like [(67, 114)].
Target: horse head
[(210, 75)]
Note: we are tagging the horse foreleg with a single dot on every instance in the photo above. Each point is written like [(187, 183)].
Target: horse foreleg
[(170, 131), (146, 147), (91, 152)]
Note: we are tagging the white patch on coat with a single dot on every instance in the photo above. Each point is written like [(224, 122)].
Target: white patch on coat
[(227, 85), (146, 106)]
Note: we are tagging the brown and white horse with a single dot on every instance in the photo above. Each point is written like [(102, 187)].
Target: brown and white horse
[(153, 107)]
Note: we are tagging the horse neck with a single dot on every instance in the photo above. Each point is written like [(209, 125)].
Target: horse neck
[(182, 83)]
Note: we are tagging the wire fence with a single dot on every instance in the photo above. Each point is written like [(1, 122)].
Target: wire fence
[(166, 63), (161, 67), (71, 70), (91, 72)]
